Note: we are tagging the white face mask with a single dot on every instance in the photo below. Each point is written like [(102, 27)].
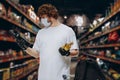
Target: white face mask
[(45, 22)]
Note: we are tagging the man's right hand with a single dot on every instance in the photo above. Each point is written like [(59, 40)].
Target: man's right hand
[(32, 52)]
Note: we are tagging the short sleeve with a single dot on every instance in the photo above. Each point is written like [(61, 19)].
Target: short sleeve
[(72, 38), (36, 43)]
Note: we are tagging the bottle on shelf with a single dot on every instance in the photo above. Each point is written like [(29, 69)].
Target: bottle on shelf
[(2, 10)]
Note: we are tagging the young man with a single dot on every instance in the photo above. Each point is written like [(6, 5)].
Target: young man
[(54, 65)]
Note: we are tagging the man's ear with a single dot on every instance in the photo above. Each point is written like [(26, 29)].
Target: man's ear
[(50, 19)]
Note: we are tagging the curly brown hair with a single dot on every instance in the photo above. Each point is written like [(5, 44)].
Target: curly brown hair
[(49, 10)]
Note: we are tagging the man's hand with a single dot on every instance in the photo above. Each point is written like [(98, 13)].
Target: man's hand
[(32, 52), (64, 50)]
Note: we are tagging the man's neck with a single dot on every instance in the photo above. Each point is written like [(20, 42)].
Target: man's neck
[(55, 23)]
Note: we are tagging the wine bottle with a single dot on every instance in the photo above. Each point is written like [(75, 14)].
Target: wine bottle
[(67, 46)]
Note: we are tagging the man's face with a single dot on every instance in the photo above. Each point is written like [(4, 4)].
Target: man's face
[(46, 21), (45, 16)]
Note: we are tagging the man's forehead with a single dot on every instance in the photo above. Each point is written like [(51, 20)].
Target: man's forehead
[(43, 16)]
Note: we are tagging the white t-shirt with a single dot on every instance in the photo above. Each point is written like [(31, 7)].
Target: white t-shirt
[(48, 41)]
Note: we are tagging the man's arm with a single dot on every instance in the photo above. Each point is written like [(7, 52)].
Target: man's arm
[(32, 52), (74, 52)]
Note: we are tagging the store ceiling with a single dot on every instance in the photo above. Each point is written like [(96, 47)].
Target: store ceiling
[(68, 7)]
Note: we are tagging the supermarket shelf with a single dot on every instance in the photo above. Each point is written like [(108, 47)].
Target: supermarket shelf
[(13, 5), (104, 21), (84, 35), (23, 75), (4, 59), (7, 40), (17, 24), (101, 46), (111, 30), (33, 69), (104, 58), (109, 77), (14, 41)]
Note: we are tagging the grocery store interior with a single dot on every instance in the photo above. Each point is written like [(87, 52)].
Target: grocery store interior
[(96, 24)]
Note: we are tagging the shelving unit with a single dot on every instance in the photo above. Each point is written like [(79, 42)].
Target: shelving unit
[(107, 32), (33, 69), (23, 75), (17, 8), (7, 40), (102, 46), (90, 45), (8, 59), (17, 24), (100, 24), (109, 77), (19, 59), (103, 58)]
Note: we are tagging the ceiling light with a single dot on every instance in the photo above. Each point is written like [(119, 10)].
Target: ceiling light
[(65, 17), (79, 20)]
